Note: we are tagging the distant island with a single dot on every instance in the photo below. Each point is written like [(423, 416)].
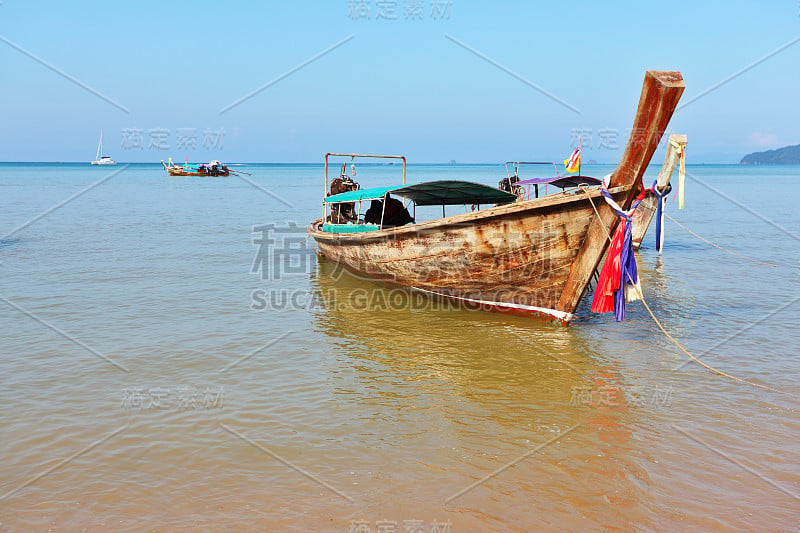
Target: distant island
[(788, 155)]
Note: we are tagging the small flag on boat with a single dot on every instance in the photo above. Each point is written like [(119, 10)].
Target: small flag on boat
[(573, 164)]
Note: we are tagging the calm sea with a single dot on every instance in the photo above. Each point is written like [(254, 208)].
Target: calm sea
[(174, 357)]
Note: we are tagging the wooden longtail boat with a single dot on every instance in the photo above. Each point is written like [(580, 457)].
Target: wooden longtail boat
[(533, 256), (212, 169), (647, 209)]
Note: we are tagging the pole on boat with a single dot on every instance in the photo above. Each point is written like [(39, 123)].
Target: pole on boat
[(325, 192), (383, 211)]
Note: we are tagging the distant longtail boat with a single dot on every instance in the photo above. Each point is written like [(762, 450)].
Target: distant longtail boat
[(211, 169)]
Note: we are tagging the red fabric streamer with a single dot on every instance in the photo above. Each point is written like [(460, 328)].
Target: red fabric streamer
[(608, 282)]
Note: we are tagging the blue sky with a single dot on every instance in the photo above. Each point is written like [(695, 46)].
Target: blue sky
[(395, 85)]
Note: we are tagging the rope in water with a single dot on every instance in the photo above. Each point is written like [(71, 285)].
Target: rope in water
[(695, 359), (718, 246), (664, 330)]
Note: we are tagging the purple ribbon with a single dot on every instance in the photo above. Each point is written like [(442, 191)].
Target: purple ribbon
[(628, 273)]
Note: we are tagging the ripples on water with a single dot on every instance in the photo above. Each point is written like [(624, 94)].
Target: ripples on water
[(332, 410)]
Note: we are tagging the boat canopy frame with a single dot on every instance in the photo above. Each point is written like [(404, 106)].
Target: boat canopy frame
[(518, 163), (430, 193), (562, 182), (352, 157), (441, 192)]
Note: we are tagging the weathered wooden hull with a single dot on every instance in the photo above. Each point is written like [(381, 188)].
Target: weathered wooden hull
[(535, 256), (515, 257)]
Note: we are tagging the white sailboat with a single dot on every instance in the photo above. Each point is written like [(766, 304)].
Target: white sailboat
[(101, 159)]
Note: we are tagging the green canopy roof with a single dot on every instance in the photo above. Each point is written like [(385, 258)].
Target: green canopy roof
[(453, 192), (445, 192), (362, 194)]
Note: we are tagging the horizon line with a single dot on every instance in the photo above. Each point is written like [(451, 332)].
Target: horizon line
[(362, 163)]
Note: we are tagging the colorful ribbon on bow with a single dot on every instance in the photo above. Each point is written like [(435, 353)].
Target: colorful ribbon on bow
[(661, 196), (681, 171), (619, 278)]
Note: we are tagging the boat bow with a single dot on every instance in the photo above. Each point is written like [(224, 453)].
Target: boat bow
[(660, 95)]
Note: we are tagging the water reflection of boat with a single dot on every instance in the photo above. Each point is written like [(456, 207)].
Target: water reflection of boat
[(535, 256), (464, 393), (480, 353)]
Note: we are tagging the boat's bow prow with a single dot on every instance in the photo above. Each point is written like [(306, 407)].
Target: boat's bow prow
[(660, 95)]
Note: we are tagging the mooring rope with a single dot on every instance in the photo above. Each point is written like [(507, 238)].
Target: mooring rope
[(584, 188), (720, 247), (664, 330), (695, 359)]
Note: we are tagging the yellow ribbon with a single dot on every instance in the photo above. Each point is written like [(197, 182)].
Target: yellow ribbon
[(682, 172)]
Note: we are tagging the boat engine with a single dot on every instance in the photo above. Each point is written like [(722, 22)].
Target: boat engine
[(345, 212), (507, 184), (343, 183)]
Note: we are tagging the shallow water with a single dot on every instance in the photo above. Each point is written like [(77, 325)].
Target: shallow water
[(155, 377)]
